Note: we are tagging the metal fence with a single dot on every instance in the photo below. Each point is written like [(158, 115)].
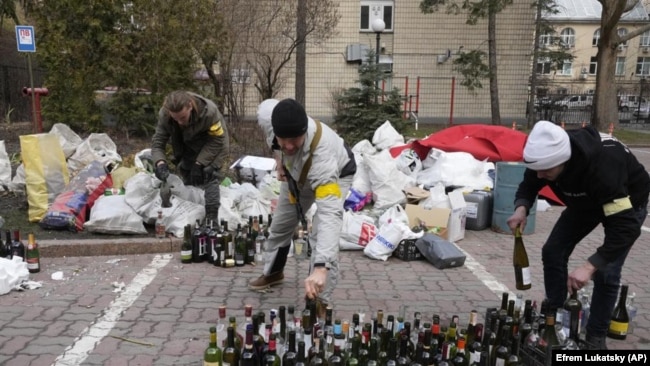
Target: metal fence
[(13, 104)]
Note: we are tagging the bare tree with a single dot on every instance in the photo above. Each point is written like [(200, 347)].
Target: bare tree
[(272, 37), (605, 104)]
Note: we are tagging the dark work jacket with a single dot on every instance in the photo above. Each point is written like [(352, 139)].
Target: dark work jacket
[(204, 140), (600, 170)]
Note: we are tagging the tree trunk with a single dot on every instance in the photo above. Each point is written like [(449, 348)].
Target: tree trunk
[(492, 59), (301, 52), (532, 113), (605, 108)]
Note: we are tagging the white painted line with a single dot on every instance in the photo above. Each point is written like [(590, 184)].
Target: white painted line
[(90, 337), (646, 229), (488, 280)]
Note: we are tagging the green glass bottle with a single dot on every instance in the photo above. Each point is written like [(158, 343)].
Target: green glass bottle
[(353, 358), (231, 353), (32, 255), (212, 355), (272, 358)]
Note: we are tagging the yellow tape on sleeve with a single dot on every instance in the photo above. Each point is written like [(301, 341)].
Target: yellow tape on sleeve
[(330, 189), (216, 129), (617, 205)]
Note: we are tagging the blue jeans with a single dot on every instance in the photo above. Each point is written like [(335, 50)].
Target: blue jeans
[(571, 228)]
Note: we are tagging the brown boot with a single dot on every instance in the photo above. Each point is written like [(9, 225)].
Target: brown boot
[(263, 281)]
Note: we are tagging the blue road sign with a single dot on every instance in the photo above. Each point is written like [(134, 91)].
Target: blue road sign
[(25, 38)]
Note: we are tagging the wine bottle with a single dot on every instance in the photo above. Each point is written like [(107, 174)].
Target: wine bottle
[(231, 353), (197, 254), (160, 226), (186, 247), (620, 322), (3, 249), (474, 348), (403, 358), (631, 312), (520, 262), (461, 358), (33, 257), (8, 244), (514, 359), (289, 357), (336, 359), (17, 247), (272, 358), (212, 355), (214, 244), (249, 354), (573, 307), (301, 358), (549, 337), (502, 352), (250, 242), (240, 247)]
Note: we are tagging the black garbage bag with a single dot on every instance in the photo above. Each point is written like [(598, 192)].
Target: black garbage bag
[(440, 252)]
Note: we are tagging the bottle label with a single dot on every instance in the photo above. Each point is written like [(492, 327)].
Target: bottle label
[(33, 264), (618, 328), (525, 274), (224, 363), (206, 363), (186, 255)]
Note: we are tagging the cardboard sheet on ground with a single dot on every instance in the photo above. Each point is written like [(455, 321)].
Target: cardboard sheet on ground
[(484, 142)]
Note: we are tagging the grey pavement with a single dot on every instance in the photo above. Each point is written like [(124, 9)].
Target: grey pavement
[(132, 302)]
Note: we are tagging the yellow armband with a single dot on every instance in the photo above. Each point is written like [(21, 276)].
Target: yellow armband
[(617, 205)]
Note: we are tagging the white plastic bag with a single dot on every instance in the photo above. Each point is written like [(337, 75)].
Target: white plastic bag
[(97, 146), (357, 231), (388, 183), (394, 214), (5, 166), (112, 215), (69, 139), (386, 136), (409, 163), (12, 274), (387, 239)]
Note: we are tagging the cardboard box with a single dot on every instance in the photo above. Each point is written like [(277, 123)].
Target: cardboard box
[(253, 168), (435, 218), (416, 194)]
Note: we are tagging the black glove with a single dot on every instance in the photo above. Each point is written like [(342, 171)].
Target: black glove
[(162, 172), (196, 175)]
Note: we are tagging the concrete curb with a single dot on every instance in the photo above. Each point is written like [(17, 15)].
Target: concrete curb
[(117, 246)]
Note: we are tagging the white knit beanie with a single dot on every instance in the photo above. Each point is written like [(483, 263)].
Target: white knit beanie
[(547, 146)]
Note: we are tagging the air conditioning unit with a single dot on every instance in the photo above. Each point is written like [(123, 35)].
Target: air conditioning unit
[(645, 49), (583, 76)]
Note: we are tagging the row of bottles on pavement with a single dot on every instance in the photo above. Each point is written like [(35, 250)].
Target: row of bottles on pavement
[(219, 246), (295, 338), (14, 249)]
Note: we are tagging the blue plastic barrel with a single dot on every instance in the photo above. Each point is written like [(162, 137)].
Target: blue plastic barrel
[(507, 179)]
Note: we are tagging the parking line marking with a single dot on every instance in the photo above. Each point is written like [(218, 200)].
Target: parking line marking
[(488, 279), (90, 337)]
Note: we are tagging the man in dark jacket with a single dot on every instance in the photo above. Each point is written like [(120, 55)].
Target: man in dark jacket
[(601, 182), (199, 139)]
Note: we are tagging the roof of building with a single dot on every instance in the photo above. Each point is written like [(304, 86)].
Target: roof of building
[(581, 10)]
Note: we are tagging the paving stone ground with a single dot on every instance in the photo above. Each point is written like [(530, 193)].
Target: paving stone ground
[(169, 308)]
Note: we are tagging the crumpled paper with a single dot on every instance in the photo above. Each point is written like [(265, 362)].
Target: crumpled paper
[(12, 274)]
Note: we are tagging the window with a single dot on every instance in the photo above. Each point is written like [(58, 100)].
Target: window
[(620, 66), (567, 68), (643, 66), (544, 66), (596, 39), (622, 32), (371, 10), (644, 40), (568, 37), (593, 66), (545, 40)]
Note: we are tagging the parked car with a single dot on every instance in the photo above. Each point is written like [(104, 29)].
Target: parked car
[(630, 102), (575, 102), (643, 111)]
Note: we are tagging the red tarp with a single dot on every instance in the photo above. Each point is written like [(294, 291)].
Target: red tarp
[(484, 142)]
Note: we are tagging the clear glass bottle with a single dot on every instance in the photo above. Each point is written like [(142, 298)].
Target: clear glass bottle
[(520, 262), (160, 226), (631, 312)]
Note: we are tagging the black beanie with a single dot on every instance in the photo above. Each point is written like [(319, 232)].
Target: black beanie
[(289, 119)]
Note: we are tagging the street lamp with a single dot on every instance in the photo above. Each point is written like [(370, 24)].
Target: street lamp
[(378, 26), (642, 82)]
